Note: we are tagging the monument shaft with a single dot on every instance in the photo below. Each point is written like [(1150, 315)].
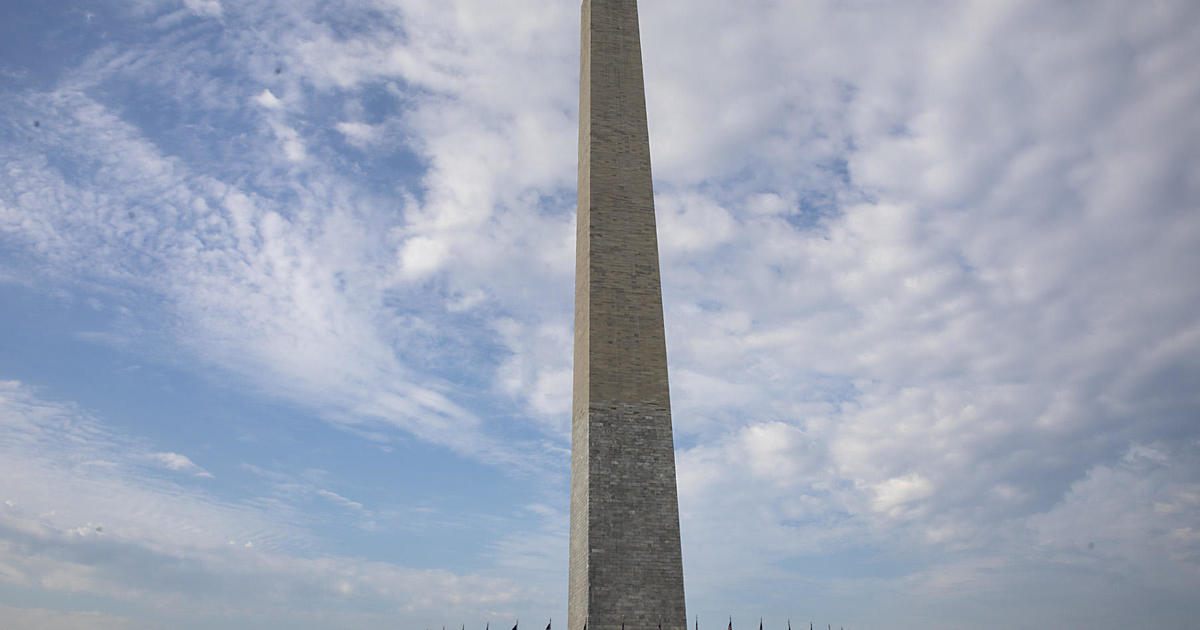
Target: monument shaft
[(626, 563)]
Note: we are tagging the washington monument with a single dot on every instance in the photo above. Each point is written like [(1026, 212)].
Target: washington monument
[(626, 564)]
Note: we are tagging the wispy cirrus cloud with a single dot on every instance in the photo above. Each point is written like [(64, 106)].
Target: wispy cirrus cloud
[(65, 470), (181, 463), (77, 496), (230, 266)]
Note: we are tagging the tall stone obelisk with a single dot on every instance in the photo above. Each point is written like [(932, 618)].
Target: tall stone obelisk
[(626, 563)]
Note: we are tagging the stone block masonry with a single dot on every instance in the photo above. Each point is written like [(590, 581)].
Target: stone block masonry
[(626, 566)]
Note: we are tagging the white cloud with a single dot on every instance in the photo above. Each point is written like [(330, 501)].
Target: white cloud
[(291, 283), (115, 534), (267, 99), (50, 470), (174, 461), (947, 341), (181, 463), (357, 133), (537, 370), (341, 500), (294, 149), (1141, 509), (895, 493), (691, 224), (421, 256), (208, 8)]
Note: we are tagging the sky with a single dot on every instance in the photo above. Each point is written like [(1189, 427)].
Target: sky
[(286, 305)]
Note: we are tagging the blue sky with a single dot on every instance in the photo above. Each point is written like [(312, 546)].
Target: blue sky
[(286, 292)]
